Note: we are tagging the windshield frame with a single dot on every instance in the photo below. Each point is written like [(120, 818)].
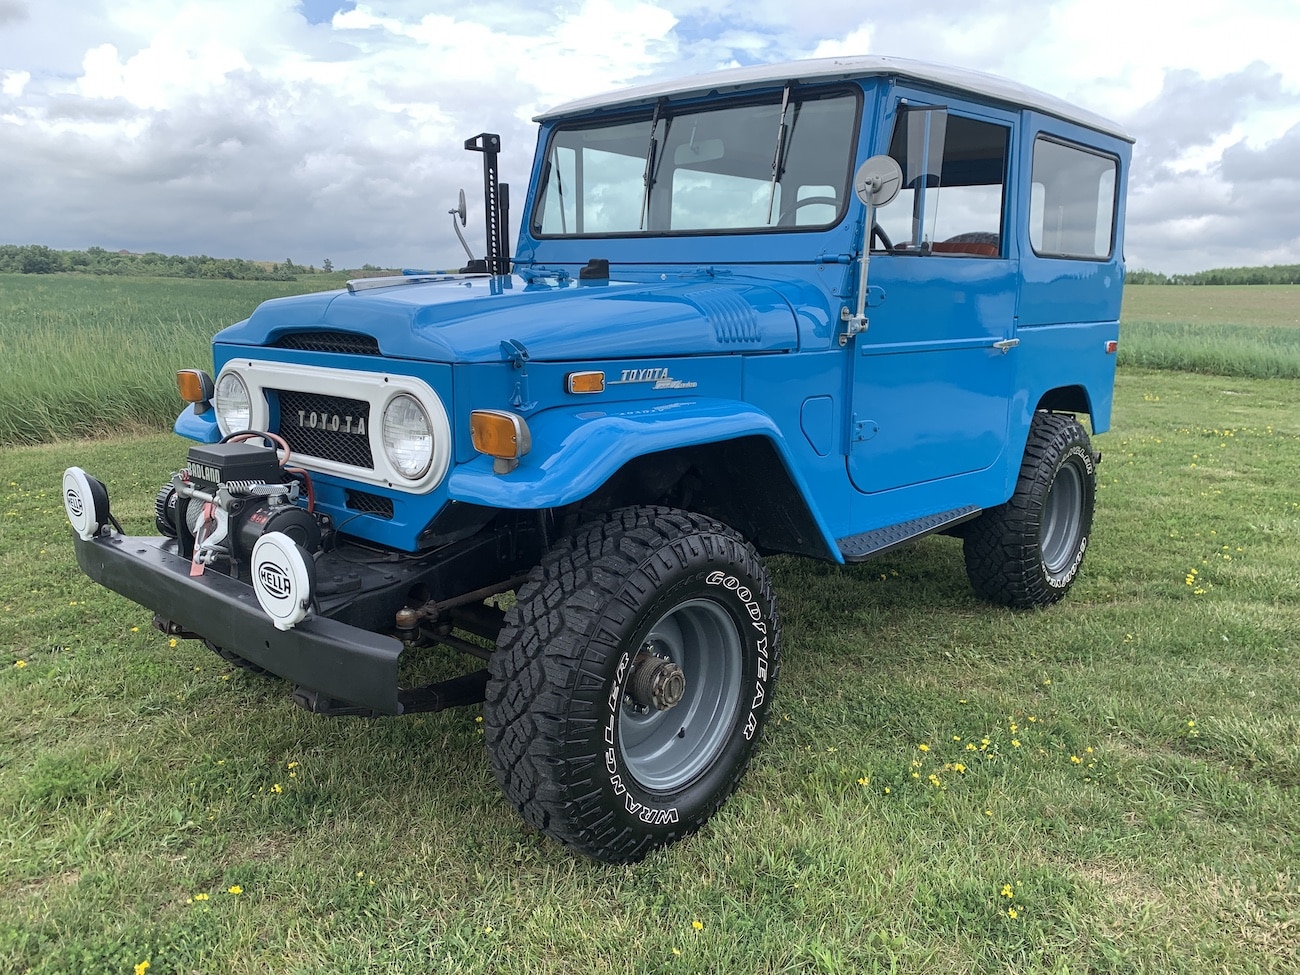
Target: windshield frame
[(664, 167)]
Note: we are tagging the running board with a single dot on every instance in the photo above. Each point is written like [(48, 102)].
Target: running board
[(859, 548)]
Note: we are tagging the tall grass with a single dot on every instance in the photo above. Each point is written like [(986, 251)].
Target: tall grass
[(1253, 351), (1233, 330), (90, 357)]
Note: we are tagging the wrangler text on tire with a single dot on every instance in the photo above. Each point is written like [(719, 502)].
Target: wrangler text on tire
[(1027, 552), (631, 681)]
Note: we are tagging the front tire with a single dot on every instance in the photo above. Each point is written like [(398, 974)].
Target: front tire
[(1027, 552), (631, 681)]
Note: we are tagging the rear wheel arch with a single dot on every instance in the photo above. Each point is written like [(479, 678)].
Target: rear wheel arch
[(1066, 399)]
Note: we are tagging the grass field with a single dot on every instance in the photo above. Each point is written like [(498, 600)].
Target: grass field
[(1106, 786), (1246, 330), (92, 356)]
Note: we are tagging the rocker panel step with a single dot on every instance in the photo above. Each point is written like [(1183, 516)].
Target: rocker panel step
[(867, 545)]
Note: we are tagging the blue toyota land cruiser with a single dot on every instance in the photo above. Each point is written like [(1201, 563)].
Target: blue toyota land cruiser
[(821, 308)]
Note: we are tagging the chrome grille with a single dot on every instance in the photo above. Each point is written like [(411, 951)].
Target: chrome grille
[(331, 427)]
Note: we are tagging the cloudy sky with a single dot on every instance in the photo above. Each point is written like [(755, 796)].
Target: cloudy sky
[(328, 128)]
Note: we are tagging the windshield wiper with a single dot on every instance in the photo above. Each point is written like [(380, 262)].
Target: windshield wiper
[(650, 155), (778, 162)]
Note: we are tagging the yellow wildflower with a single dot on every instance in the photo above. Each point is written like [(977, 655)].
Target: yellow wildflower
[(20, 664), (143, 967), (698, 925), (236, 890), (923, 747)]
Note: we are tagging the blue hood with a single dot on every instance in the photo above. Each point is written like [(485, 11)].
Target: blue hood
[(466, 319)]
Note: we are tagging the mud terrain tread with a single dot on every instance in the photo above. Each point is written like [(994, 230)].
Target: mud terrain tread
[(539, 665), (1001, 546)]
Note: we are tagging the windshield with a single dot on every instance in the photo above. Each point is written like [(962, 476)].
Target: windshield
[(774, 164)]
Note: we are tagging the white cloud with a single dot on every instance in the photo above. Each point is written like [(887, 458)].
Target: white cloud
[(236, 127)]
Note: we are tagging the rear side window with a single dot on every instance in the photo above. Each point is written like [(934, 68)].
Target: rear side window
[(1072, 201)]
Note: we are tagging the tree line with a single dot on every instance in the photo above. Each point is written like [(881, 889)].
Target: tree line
[(39, 259), (1273, 274)]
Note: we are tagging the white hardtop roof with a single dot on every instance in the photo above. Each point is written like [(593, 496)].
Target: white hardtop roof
[(731, 80)]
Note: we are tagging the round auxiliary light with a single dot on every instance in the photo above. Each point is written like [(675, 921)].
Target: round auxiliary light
[(85, 499), (233, 404), (284, 577), (408, 436)]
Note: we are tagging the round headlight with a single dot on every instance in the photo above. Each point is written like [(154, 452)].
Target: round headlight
[(233, 405), (408, 436)]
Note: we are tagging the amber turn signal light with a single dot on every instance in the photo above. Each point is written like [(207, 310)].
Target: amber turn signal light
[(585, 382), (502, 435), (196, 387)]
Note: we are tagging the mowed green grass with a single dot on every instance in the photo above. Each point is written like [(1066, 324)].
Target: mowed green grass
[(1109, 785)]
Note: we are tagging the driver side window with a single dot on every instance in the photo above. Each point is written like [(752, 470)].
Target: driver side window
[(954, 184)]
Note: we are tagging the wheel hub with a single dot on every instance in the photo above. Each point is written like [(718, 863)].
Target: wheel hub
[(656, 682)]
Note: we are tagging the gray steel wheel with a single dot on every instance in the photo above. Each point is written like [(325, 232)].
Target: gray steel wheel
[(665, 749), (1062, 520)]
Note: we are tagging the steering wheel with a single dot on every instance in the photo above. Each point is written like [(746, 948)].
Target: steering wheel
[(878, 233), (786, 219)]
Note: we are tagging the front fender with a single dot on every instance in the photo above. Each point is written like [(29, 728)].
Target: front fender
[(576, 450), (197, 426)]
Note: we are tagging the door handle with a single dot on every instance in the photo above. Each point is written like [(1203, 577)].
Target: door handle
[(1006, 345)]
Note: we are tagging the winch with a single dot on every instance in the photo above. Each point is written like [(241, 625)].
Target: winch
[(228, 496)]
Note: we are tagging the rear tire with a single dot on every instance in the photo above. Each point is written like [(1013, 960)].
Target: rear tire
[(1027, 552), (631, 681)]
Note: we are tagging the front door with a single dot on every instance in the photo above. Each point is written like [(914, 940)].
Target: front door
[(933, 373)]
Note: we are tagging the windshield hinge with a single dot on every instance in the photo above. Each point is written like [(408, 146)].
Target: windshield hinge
[(537, 272), (513, 350)]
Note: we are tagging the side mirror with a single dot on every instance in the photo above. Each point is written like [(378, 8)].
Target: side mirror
[(878, 181), (459, 211)]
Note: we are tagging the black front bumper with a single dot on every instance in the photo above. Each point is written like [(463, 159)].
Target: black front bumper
[(334, 659)]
